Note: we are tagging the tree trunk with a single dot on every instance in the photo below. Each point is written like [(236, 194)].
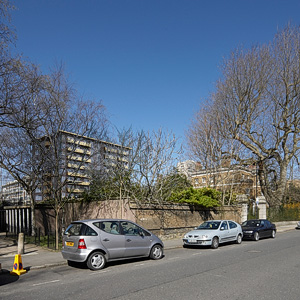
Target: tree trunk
[(56, 228), (274, 197), (32, 207)]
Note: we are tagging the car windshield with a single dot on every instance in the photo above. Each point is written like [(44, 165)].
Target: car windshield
[(251, 223), (209, 225)]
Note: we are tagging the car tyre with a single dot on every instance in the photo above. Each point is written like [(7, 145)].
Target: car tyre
[(156, 252), (256, 236), (215, 242), (273, 234), (96, 261), (239, 239)]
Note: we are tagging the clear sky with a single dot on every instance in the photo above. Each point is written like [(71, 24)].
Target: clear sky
[(151, 62)]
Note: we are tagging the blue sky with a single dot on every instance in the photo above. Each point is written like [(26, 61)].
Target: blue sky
[(151, 62)]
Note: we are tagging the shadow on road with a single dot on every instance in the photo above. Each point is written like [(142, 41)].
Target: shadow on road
[(78, 265), (7, 278)]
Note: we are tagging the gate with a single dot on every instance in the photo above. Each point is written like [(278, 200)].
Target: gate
[(15, 220)]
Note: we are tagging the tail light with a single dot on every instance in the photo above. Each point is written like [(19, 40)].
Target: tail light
[(81, 244)]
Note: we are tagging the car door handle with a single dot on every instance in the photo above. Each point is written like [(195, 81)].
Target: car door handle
[(128, 240), (106, 240)]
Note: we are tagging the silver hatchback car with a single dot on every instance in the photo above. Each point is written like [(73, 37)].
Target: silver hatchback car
[(98, 241)]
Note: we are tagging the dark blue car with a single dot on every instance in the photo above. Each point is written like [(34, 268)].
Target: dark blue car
[(256, 229)]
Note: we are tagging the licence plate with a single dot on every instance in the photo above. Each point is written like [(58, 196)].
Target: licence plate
[(70, 244), (192, 241)]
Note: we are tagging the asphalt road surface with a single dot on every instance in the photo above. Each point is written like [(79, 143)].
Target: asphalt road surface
[(267, 269)]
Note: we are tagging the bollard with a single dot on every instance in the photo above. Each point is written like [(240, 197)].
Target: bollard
[(21, 243)]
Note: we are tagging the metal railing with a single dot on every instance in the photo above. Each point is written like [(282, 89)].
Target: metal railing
[(47, 240)]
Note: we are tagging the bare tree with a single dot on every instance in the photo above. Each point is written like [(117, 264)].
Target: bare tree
[(8, 64), (154, 155), (145, 172), (34, 111), (7, 34), (257, 103), (20, 125), (215, 153), (69, 126)]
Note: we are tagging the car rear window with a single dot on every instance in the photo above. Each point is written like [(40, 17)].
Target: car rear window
[(74, 229), (77, 229)]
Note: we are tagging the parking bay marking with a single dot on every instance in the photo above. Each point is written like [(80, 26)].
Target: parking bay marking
[(98, 272), (171, 258), (138, 265), (46, 282)]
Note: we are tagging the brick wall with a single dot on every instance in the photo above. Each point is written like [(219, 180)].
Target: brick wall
[(170, 220)]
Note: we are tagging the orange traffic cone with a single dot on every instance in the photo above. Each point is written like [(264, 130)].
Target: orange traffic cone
[(18, 266)]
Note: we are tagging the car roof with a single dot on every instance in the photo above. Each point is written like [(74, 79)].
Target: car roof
[(99, 220), (257, 220), (218, 220)]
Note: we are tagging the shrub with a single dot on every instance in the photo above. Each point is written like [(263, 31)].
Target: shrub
[(204, 197)]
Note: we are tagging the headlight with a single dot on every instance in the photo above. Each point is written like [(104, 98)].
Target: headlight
[(204, 236)]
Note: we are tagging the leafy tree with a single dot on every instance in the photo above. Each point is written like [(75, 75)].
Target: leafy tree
[(204, 197)]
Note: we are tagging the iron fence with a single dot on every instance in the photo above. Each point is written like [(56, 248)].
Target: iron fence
[(47, 240)]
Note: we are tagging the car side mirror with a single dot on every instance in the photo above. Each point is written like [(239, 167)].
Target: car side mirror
[(141, 233), (222, 228)]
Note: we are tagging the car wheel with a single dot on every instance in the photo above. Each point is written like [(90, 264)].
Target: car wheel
[(156, 252), (256, 236), (273, 234), (215, 242), (239, 239), (96, 261)]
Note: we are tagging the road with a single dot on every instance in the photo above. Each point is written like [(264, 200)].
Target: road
[(267, 269)]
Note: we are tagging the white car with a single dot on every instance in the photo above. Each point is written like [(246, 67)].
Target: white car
[(212, 233), (298, 225)]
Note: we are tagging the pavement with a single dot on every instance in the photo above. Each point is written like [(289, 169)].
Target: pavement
[(36, 257)]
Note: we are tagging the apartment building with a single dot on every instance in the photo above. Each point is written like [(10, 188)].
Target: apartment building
[(77, 156), (188, 167), (14, 194)]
